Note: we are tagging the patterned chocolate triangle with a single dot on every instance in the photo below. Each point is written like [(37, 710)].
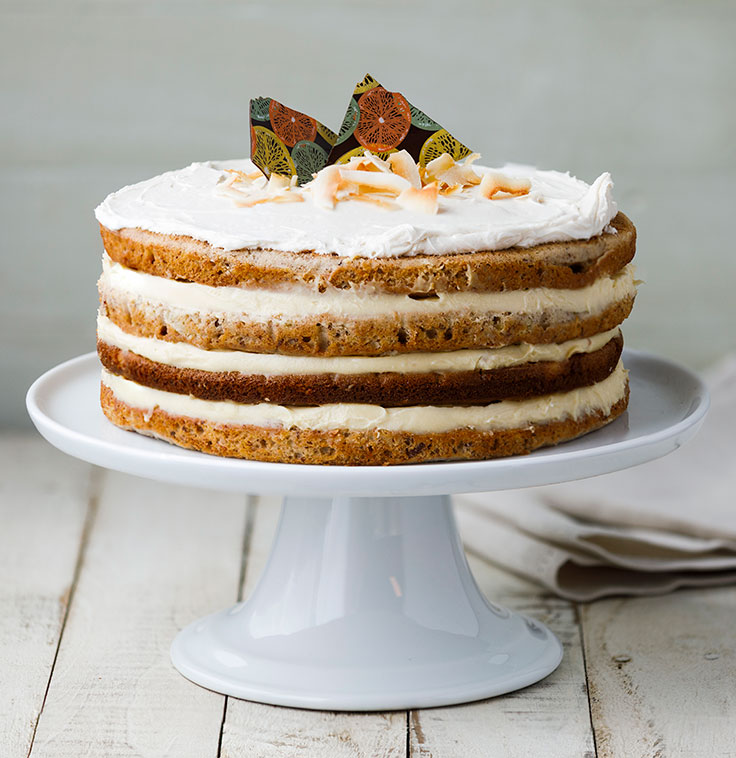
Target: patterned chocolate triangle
[(385, 122), (287, 142)]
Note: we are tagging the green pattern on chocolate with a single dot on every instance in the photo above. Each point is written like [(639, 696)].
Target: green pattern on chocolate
[(259, 108), (421, 120), (349, 122), (308, 158)]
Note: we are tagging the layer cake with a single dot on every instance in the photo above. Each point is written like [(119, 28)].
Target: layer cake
[(362, 325)]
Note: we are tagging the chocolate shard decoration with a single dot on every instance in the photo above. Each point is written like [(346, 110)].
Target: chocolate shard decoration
[(287, 142), (385, 122)]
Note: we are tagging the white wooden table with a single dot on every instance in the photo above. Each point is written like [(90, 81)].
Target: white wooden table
[(98, 571)]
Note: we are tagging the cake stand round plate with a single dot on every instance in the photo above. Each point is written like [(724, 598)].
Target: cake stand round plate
[(666, 407), (367, 601)]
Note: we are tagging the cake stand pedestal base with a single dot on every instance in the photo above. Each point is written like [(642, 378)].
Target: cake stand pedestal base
[(366, 604)]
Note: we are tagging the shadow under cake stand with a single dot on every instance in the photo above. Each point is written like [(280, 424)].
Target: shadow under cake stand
[(367, 601)]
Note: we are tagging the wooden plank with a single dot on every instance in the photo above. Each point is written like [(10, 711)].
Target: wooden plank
[(158, 557), (550, 718), (662, 674), (253, 729), (44, 497)]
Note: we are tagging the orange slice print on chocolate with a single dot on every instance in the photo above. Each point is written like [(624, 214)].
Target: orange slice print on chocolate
[(385, 118), (291, 126), (439, 143)]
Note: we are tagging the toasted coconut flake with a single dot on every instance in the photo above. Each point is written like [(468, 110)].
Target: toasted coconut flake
[(396, 182), (324, 186), (421, 200), (278, 183), (250, 202), (448, 172), (290, 197), (238, 190), (380, 201), (450, 189), (345, 188), (367, 162), (461, 174), (403, 164), (376, 162), (363, 165), (438, 165), (391, 183), (494, 182), (285, 198), (247, 190), (240, 177)]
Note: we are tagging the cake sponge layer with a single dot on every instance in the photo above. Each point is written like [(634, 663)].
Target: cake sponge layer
[(350, 447), (385, 333), (387, 389), (568, 265)]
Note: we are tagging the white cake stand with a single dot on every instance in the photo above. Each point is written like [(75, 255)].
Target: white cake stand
[(367, 602)]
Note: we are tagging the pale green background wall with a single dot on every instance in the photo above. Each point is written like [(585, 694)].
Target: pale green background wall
[(101, 93)]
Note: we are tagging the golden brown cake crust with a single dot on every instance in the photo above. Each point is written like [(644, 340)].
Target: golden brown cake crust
[(565, 265), (346, 447), (390, 389), (383, 333)]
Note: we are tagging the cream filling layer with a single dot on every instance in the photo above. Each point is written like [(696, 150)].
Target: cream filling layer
[(183, 355), (507, 414), (263, 304)]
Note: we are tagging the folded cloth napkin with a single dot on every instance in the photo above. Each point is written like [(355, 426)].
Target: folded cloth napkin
[(666, 524)]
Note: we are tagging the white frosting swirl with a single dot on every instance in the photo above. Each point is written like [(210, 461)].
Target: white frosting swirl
[(186, 202)]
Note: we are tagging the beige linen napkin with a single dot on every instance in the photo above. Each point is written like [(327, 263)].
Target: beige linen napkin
[(665, 524)]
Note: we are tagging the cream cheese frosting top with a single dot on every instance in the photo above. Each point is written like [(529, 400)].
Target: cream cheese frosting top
[(187, 202)]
